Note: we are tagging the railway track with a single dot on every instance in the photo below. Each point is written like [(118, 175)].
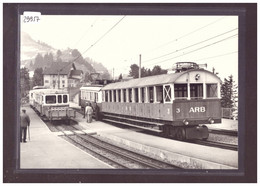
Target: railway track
[(216, 144), (113, 155), (224, 132), (155, 131)]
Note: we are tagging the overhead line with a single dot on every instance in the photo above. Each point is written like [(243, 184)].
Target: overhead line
[(189, 46), (185, 35), (100, 38), (217, 56), (91, 26), (197, 49)]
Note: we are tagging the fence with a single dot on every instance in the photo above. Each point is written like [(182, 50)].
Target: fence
[(228, 113)]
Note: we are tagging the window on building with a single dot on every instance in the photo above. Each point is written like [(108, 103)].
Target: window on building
[(150, 94), (50, 99), (46, 81), (59, 99), (196, 91), (212, 90), (63, 81), (180, 91), (119, 95), (130, 94), (65, 99), (159, 94), (167, 93), (54, 82), (136, 95)]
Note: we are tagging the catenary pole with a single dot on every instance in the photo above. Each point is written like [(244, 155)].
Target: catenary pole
[(140, 66)]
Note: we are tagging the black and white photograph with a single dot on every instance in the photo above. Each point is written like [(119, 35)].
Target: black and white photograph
[(128, 91)]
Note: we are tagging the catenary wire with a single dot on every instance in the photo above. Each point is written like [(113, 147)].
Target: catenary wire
[(100, 38), (188, 46), (91, 26), (196, 49), (217, 56), (185, 35)]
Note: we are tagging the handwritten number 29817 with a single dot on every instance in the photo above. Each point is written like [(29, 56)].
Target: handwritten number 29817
[(28, 19)]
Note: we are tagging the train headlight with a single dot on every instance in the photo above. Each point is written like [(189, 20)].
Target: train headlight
[(185, 122), (211, 121)]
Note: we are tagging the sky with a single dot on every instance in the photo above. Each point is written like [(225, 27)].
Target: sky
[(119, 41)]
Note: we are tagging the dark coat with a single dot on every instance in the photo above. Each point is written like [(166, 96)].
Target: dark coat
[(25, 120)]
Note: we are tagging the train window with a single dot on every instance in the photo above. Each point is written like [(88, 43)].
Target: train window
[(106, 96), (59, 99), (90, 96), (119, 95), (180, 91), (136, 95), (110, 95), (150, 94), (130, 95), (124, 95), (196, 91), (212, 90), (50, 99), (65, 99), (159, 94), (167, 93), (96, 97), (142, 95), (114, 94)]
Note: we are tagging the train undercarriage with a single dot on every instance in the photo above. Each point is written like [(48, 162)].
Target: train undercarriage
[(163, 128)]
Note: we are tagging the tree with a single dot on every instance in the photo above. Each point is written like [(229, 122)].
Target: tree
[(120, 77), (157, 70), (77, 55), (25, 81), (38, 77), (134, 72), (38, 61), (227, 93), (106, 75), (48, 59), (87, 78), (59, 53)]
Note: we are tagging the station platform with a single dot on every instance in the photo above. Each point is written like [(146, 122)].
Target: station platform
[(183, 154), (45, 150)]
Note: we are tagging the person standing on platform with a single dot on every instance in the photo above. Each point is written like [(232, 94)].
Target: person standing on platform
[(89, 112), (25, 121)]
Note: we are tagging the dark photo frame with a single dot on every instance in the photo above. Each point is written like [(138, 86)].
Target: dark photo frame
[(247, 171)]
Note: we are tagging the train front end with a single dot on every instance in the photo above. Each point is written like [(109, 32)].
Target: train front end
[(194, 115)]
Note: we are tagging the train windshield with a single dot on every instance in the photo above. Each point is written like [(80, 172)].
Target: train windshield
[(65, 99), (50, 99)]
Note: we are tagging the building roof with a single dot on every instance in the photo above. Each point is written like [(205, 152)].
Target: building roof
[(62, 68), (151, 80), (76, 72)]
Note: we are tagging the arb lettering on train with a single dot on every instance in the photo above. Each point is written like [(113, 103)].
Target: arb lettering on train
[(197, 109)]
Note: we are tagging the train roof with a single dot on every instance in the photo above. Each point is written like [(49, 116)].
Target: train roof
[(49, 91), (155, 80), (92, 87)]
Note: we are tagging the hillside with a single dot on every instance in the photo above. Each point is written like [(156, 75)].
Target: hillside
[(37, 54), (30, 48)]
